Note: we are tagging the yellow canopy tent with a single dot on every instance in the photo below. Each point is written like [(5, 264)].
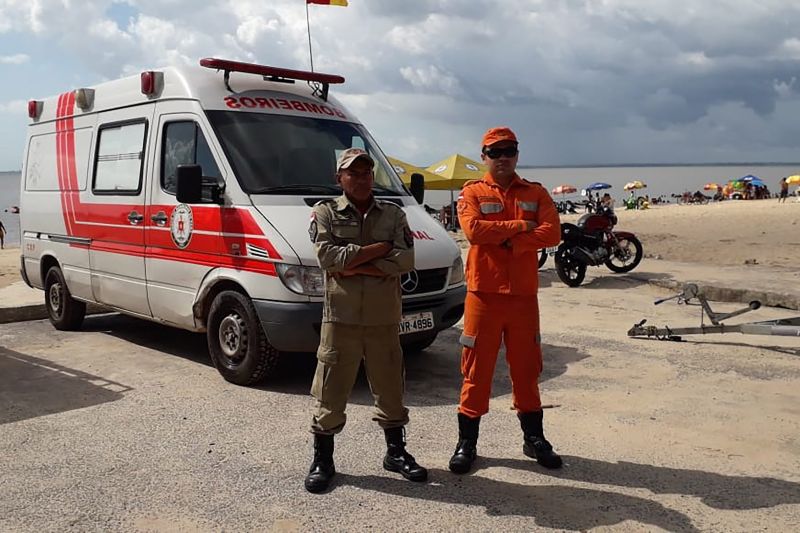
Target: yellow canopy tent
[(793, 180), (404, 170)]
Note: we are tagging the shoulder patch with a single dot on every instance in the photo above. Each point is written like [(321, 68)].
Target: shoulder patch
[(324, 201), (471, 182)]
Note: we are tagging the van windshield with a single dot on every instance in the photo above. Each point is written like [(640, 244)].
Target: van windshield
[(278, 154)]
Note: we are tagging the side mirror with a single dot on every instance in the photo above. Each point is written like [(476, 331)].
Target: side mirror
[(417, 187), (190, 184), (194, 188)]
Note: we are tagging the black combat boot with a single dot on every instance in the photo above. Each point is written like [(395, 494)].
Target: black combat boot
[(535, 445), (466, 449), (397, 459), (322, 469)]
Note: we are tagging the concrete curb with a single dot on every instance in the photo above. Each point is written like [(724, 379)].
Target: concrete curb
[(24, 313), (717, 293)]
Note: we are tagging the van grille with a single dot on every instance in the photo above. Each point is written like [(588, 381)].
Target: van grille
[(423, 281)]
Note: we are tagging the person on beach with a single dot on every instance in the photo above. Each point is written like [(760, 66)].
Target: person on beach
[(507, 221), (2, 235), (784, 190), (363, 245)]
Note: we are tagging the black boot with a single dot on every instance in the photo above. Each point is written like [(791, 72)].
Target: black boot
[(466, 449), (397, 459), (322, 469), (535, 445)]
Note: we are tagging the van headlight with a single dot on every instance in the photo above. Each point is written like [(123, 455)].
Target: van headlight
[(304, 280), (457, 272)]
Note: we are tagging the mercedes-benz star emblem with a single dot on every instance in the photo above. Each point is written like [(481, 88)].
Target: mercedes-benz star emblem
[(409, 282)]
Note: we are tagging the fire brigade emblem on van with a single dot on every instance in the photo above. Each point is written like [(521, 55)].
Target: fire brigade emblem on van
[(181, 225)]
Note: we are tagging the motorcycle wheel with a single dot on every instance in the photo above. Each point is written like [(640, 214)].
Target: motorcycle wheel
[(571, 271), (625, 256), (542, 257)]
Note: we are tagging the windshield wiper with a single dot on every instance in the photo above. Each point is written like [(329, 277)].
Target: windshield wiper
[(306, 188), (385, 191)]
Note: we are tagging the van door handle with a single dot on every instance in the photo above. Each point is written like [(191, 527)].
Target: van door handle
[(159, 218), (134, 217)]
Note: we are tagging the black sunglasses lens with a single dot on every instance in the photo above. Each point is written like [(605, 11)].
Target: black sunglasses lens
[(495, 153)]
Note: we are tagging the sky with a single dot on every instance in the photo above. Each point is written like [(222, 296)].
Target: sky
[(582, 82)]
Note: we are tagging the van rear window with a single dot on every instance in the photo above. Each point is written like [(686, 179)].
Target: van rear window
[(269, 151)]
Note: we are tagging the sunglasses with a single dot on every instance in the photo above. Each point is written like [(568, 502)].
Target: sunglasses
[(496, 153)]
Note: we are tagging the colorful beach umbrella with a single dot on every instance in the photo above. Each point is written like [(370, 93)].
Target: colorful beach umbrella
[(711, 186), (564, 189), (793, 180), (597, 186)]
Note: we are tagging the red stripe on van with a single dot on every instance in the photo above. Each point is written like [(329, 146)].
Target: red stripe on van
[(107, 225)]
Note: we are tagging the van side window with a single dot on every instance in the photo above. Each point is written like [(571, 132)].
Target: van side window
[(118, 163), (184, 144)]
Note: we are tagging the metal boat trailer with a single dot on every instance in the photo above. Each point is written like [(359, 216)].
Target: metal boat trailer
[(789, 327)]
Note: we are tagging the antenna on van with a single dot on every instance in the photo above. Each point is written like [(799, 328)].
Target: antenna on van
[(317, 80)]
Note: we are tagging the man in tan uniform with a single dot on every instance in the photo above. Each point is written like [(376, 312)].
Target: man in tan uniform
[(363, 245)]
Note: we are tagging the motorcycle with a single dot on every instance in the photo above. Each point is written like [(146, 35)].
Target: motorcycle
[(592, 242)]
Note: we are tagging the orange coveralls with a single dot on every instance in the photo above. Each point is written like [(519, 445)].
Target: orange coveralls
[(502, 283)]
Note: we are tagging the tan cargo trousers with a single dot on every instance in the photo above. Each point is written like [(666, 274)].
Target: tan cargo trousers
[(342, 348)]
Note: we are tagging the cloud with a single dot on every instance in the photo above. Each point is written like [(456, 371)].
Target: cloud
[(14, 107), (16, 59), (584, 81)]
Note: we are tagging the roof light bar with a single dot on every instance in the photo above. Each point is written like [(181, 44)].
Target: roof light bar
[(272, 73)]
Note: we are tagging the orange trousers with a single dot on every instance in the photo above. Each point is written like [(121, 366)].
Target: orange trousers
[(488, 319)]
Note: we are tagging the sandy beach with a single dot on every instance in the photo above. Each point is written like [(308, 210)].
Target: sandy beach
[(727, 234)]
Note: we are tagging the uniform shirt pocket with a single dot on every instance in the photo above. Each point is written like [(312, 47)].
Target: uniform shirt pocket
[(491, 208), (347, 230), (528, 209)]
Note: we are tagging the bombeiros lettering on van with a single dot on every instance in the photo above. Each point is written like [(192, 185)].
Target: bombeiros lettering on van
[(278, 104)]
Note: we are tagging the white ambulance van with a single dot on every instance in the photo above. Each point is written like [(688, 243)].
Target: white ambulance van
[(184, 195)]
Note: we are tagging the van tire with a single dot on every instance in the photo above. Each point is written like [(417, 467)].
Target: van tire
[(65, 312), (236, 340)]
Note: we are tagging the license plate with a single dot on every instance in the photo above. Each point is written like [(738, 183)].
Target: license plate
[(416, 322)]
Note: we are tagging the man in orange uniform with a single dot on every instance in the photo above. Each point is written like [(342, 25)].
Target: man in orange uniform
[(506, 220)]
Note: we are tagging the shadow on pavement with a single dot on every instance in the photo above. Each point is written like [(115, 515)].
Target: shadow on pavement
[(172, 341), (552, 506), (31, 387), (715, 490)]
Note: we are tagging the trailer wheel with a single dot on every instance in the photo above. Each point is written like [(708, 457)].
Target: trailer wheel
[(236, 340), (65, 312)]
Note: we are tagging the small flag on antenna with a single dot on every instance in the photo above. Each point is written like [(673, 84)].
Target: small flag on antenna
[(342, 3)]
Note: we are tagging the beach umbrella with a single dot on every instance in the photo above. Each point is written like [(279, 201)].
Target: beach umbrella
[(711, 187), (456, 171), (404, 170), (597, 186), (750, 177), (793, 180), (564, 189)]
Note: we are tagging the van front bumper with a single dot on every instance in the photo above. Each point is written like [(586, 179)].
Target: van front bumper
[(294, 327)]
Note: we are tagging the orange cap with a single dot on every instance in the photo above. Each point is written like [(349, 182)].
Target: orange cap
[(494, 135)]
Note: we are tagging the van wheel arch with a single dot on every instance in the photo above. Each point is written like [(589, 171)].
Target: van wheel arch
[(45, 264), (237, 342), (203, 306)]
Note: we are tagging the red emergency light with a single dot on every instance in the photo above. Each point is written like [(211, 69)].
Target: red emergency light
[(151, 82), (271, 73), (34, 108)]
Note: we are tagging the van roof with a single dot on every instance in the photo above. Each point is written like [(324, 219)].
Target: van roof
[(208, 86)]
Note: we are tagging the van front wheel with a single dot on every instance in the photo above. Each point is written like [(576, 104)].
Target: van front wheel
[(65, 312), (236, 341)]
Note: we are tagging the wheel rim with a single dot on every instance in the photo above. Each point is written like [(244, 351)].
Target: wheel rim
[(55, 298), (625, 251), (571, 267), (233, 339)]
